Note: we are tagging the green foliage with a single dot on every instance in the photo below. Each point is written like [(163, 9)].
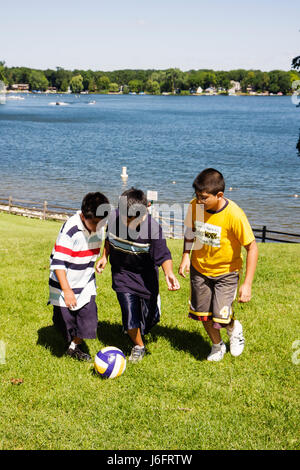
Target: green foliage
[(135, 86), (38, 81), (113, 88), (76, 84), (152, 86), (102, 83), (173, 399), (2, 72), (296, 62), (154, 81), (279, 81), (61, 79)]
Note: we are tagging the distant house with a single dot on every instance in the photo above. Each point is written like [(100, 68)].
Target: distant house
[(235, 87), (51, 89), (210, 91), (199, 90), (20, 87)]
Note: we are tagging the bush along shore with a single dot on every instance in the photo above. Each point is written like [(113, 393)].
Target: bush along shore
[(170, 81)]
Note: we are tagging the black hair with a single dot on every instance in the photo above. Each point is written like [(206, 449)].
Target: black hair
[(90, 204), (210, 181), (134, 197)]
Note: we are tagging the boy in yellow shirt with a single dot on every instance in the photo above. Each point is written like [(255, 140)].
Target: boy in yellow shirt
[(216, 229)]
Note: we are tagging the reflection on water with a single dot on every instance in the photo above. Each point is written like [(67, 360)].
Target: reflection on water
[(59, 153)]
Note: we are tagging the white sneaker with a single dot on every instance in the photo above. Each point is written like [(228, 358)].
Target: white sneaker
[(137, 354), (217, 352), (237, 340)]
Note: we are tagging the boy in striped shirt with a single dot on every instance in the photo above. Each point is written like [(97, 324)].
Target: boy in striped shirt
[(72, 284)]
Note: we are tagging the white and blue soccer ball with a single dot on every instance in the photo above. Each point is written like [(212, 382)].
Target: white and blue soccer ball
[(110, 362)]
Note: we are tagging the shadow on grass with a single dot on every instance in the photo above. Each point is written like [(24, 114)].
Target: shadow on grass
[(182, 340), (52, 339), (111, 334)]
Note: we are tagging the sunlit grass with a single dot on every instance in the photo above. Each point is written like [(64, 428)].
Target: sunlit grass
[(173, 399)]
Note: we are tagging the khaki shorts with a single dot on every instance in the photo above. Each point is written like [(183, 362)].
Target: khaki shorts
[(212, 297)]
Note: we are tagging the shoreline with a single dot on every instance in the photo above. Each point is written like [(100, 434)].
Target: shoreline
[(20, 92), (169, 228)]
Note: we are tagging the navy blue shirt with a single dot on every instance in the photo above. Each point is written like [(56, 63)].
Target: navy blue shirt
[(135, 257)]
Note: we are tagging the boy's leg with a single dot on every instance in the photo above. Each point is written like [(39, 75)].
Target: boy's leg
[(236, 337), (64, 320), (87, 320), (224, 296), (135, 336), (200, 309), (86, 327), (138, 350), (131, 318), (201, 297), (213, 334), (225, 288)]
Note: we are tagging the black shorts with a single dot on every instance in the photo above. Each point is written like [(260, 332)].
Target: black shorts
[(138, 312), (81, 323)]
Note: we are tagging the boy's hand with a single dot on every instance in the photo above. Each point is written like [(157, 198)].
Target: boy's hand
[(172, 282), (184, 265), (70, 299), (245, 293), (101, 263)]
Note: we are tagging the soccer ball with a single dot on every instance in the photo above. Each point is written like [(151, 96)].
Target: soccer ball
[(110, 362)]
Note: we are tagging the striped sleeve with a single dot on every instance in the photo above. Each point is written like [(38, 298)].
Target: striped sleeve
[(61, 253)]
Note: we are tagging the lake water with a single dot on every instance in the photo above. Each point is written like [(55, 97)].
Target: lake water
[(59, 153)]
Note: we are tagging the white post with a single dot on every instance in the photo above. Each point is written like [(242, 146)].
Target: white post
[(124, 174), (45, 210)]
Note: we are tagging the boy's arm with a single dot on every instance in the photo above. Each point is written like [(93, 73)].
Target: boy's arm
[(185, 260), (189, 237), (251, 262), (69, 296), (102, 262), (171, 280)]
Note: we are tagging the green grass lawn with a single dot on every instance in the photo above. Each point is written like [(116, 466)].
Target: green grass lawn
[(173, 399)]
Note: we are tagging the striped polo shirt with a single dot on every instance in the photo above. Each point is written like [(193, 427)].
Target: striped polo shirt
[(75, 251)]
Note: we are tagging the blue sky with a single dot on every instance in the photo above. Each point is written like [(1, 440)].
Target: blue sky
[(111, 35)]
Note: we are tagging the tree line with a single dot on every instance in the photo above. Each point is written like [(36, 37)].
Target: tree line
[(152, 81)]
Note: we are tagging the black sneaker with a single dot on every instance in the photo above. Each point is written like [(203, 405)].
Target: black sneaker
[(78, 354)]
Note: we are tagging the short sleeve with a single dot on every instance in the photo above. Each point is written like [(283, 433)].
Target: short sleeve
[(241, 228), (159, 251), (61, 253)]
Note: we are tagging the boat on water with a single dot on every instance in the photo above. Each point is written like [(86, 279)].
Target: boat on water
[(13, 97), (58, 103)]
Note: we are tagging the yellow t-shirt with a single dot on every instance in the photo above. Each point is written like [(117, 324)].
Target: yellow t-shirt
[(219, 237)]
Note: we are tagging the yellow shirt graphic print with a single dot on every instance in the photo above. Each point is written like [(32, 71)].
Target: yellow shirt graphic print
[(208, 234)]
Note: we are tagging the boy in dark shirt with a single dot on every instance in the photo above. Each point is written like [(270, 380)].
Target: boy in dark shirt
[(136, 247)]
